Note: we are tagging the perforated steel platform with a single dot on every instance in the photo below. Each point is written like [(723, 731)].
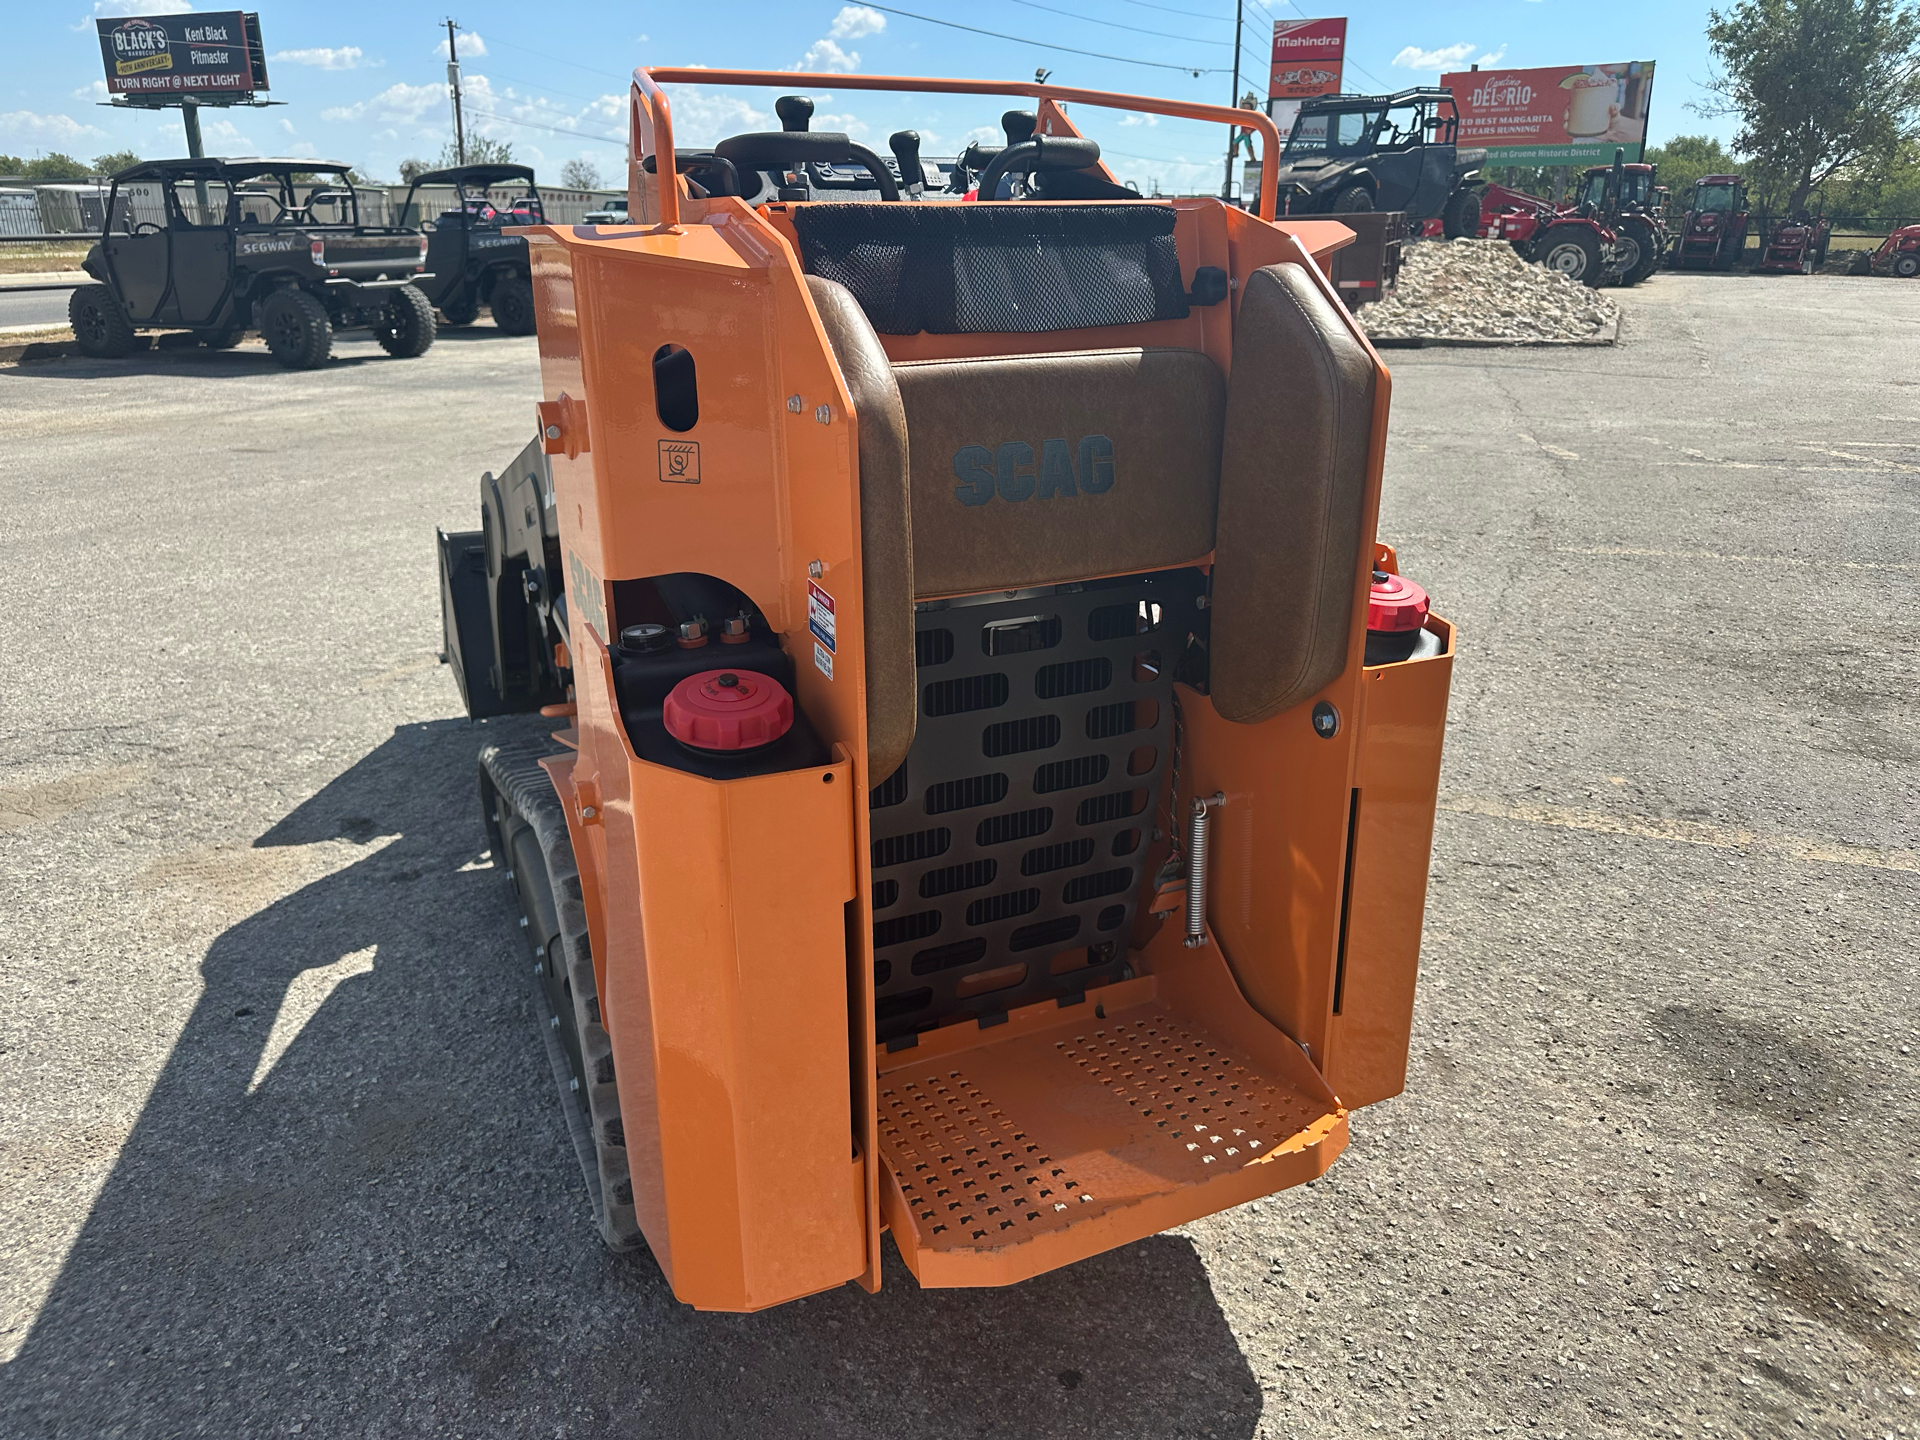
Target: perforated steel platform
[(1113, 1125)]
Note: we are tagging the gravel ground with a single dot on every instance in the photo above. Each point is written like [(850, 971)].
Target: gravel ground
[(1483, 290), (1655, 1170)]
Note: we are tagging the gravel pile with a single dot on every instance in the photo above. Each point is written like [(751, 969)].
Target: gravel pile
[(1483, 290)]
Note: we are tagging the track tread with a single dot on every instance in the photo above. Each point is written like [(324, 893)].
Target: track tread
[(514, 772)]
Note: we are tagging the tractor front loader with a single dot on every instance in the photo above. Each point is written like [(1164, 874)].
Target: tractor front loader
[(1002, 761)]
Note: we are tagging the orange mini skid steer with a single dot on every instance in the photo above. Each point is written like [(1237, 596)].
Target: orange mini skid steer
[(998, 803)]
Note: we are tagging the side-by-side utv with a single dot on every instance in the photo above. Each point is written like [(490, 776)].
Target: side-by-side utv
[(219, 247), (996, 761), (474, 255)]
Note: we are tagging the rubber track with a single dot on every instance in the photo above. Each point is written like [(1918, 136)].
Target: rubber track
[(516, 776)]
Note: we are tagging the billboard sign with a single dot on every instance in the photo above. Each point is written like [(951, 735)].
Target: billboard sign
[(1562, 115), (1308, 57), (212, 57)]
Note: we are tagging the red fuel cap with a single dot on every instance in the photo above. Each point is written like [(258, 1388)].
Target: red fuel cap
[(1395, 604), (728, 710)]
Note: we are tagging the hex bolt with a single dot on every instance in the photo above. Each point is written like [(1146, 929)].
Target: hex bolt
[(573, 1085), (796, 404), (523, 922), (556, 1022), (552, 432), (824, 415), (540, 969), (587, 812)]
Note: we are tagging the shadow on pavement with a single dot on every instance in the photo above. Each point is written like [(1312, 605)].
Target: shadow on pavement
[(390, 1237)]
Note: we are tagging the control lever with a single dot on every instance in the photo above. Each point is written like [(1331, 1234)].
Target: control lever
[(1019, 125), (905, 145), (795, 112)]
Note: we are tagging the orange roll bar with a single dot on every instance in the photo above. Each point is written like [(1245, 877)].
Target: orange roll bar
[(652, 117)]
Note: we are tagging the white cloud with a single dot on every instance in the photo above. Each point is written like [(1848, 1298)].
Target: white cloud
[(1136, 118), (855, 21), (40, 131), (106, 9), (704, 116), (851, 125), (465, 43), (1492, 57), (346, 57), (396, 102), (93, 90), (827, 55), (1445, 58)]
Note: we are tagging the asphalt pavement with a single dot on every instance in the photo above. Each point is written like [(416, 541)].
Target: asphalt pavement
[(282, 1152), (33, 307)]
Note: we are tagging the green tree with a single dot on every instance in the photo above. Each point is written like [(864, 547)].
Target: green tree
[(1818, 86), (481, 150), (113, 161), (45, 167), (580, 174), (1685, 158)]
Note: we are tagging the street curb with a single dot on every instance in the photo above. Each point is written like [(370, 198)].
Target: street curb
[(1608, 335), (30, 350)]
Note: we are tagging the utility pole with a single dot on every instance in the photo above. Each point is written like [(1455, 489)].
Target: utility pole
[(453, 79), (1233, 98)]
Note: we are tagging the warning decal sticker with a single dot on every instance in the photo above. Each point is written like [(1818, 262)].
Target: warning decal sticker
[(823, 659), (820, 616)]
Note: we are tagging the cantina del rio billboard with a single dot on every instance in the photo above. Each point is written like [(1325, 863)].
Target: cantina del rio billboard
[(1562, 115)]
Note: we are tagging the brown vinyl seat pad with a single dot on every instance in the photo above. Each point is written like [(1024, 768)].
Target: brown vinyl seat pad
[(1034, 469)]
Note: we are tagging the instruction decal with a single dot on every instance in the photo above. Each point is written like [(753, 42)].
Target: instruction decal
[(823, 659), (680, 462), (820, 617)]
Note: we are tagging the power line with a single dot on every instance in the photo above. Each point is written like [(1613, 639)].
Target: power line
[(1195, 70), (621, 141), (1116, 25), (541, 55), (1190, 14)]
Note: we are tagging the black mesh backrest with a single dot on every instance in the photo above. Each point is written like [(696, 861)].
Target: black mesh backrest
[(964, 269), (1016, 830)]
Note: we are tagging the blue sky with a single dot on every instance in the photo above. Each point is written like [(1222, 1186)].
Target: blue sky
[(366, 82)]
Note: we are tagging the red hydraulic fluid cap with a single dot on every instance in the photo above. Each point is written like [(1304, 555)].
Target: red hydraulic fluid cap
[(728, 710), (1395, 604)]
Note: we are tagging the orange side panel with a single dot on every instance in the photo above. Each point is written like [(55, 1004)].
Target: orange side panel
[(1404, 715)]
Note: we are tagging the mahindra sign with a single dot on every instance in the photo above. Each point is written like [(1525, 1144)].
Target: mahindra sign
[(1307, 61)]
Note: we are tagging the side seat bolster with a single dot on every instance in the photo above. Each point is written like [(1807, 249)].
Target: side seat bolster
[(886, 533), (1293, 488)]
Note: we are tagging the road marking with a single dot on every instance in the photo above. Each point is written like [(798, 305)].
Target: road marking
[(1813, 850), (1638, 552), (306, 993)]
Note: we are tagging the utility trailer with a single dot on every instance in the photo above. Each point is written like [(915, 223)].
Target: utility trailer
[(996, 761), (1369, 268)]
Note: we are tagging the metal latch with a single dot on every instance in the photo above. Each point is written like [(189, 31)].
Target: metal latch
[(563, 426)]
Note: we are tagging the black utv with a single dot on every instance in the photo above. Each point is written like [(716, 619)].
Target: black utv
[(471, 261), (220, 247), (1383, 152)]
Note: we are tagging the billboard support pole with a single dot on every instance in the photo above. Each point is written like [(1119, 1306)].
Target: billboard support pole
[(190, 113), (1233, 98)]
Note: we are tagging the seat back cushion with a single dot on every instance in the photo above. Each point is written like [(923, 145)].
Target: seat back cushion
[(1293, 490), (886, 541), (1038, 469)]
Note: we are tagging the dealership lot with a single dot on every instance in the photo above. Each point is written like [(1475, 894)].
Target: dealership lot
[(1654, 1169)]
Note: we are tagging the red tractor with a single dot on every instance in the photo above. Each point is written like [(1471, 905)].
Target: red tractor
[(1899, 253), (1714, 234), (1796, 245), (1609, 235)]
